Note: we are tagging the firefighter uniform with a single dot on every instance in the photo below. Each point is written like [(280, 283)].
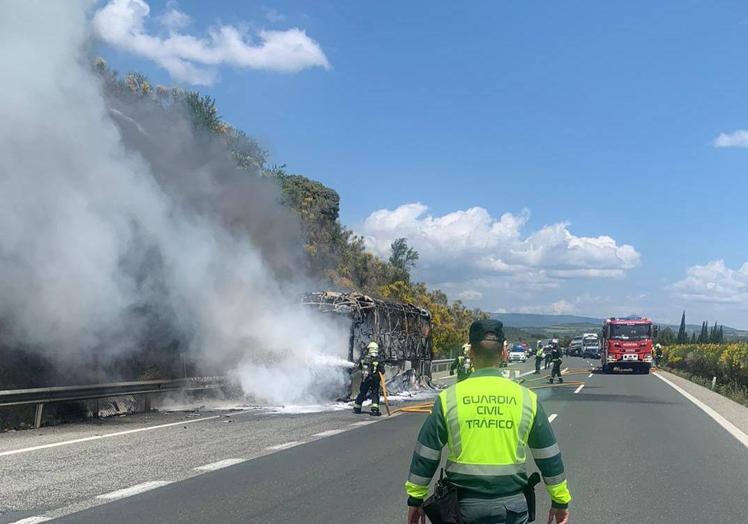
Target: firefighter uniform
[(538, 359), (462, 365), (556, 369), (487, 421), (370, 367), (548, 357)]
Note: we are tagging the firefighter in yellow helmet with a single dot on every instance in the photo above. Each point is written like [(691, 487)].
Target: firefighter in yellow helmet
[(462, 364), (370, 367)]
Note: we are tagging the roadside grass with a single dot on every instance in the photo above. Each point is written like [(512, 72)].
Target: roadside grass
[(700, 363), (730, 391)]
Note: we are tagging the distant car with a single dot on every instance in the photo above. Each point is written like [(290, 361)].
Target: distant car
[(591, 352), (517, 354)]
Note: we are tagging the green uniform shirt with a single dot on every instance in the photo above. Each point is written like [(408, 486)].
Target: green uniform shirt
[(459, 366), (487, 422)]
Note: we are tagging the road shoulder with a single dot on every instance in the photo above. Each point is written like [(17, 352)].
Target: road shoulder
[(730, 410)]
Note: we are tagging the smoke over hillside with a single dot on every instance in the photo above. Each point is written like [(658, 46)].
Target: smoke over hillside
[(119, 228)]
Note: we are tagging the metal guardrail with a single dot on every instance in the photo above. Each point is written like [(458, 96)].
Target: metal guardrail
[(440, 368), (42, 396)]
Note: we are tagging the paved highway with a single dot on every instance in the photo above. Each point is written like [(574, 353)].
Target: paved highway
[(635, 451)]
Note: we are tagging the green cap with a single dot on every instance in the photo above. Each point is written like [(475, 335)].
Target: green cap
[(480, 328)]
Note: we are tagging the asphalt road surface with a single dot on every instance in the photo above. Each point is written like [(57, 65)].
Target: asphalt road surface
[(635, 451)]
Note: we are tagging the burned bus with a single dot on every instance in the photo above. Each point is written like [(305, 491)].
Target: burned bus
[(403, 332)]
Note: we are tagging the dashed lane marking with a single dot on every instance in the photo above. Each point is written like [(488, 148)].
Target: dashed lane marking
[(590, 375), (220, 464), (285, 445), (31, 520), (719, 419), (329, 432), (133, 490), (363, 423), (108, 435), (578, 389), (552, 417)]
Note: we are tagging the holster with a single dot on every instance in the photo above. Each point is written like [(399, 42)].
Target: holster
[(443, 507), (529, 493)]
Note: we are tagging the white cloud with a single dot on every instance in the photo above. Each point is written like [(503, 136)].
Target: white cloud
[(470, 294), (274, 16), (714, 283), (561, 307), (122, 24), (173, 19), (737, 138), (464, 246)]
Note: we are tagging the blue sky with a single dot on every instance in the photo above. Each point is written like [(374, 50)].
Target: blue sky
[(580, 119)]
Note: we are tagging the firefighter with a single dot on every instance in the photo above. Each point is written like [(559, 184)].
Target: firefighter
[(556, 360), (486, 422), (548, 353), (370, 367), (462, 364), (538, 357), (504, 362), (658, 354)]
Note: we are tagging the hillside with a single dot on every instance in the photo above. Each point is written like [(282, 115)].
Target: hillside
[(524, 320)]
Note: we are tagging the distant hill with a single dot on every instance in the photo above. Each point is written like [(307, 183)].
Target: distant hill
[(525, 320), (528, 325)]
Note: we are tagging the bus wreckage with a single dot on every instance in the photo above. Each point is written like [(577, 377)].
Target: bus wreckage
[(403, 332)]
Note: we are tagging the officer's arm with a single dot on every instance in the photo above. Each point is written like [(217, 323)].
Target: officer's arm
[(547, 455), (427, 455)]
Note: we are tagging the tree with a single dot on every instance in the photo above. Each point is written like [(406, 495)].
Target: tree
[(682, 337), (666, 336), (704, 335), (202, 109), (693, 338), (402, 259)]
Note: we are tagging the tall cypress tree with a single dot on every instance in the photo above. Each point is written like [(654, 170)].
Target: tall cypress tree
[(693, 338), (704, 335), (682, 337)]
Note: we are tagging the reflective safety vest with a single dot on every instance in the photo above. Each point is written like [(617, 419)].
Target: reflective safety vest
[(488, 423), (487, 426)]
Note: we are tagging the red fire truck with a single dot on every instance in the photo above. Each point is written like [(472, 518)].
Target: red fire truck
[(627, 344)]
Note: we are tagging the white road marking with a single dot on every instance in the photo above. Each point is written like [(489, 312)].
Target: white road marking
[(719, 419), (578, 389), (219, 465), (363, 423), (527, 373), (108, 435), (285, 445), (552, 417), (329, 433), (31, 520), (133, 490), (564, 370)]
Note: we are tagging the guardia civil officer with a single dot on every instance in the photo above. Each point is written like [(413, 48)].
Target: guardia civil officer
[(538, 357), (487, 421), (370, 367)]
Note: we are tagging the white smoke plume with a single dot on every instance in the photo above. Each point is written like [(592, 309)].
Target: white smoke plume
[(108, 229)]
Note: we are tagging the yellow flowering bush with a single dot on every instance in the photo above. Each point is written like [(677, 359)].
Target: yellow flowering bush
[(727, 362)]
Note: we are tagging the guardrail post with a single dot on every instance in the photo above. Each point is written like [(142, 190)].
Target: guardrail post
[(38, 415)]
